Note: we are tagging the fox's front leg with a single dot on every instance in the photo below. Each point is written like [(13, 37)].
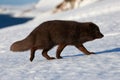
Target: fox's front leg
[(83, 49), (59, 50)]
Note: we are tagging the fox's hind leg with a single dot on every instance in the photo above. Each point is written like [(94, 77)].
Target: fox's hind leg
[(32, 54), (44, 53), (59, 50)]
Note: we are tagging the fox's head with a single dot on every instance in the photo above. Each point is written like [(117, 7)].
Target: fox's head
[(95, 31), (89, 31)]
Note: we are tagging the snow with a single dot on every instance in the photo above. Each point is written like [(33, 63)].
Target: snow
[(104, 65)]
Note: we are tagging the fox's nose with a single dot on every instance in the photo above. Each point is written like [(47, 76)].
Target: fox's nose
[(101, 35)]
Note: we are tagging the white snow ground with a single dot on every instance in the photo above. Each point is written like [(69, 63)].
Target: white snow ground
[(105, 65)]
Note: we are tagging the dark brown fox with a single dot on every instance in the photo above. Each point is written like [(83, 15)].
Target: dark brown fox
[(61, 33)]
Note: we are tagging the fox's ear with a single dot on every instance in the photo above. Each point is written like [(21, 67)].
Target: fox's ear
[(92, 25)]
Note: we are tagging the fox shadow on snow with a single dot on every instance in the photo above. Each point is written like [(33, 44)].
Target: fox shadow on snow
[(101, 52)]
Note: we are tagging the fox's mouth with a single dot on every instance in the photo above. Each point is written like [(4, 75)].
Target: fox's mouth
[(100, 36)]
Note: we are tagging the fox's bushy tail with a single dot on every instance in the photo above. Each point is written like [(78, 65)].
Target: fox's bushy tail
[(22, 45)]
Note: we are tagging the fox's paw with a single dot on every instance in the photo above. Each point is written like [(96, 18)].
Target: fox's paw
[(51, 58), (59, 57), (90, 53)]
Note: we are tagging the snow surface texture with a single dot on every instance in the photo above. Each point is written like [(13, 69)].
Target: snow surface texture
[(105, 65)]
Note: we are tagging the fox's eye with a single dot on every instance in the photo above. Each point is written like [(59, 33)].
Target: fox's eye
[(97, 31)]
